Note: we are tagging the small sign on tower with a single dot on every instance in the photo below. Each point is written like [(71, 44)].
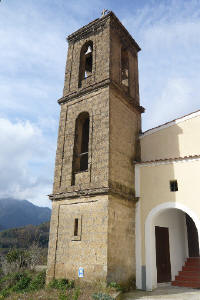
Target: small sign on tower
[(80, 272)]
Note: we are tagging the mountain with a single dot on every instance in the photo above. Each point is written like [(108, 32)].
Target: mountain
[(17, 213)]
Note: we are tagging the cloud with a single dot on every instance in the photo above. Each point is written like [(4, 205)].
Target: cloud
[(32, 61), (169, 35), (23, 148), (174, 99)]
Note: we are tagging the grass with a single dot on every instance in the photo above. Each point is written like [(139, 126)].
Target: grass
[(29, 285), (23, 281)]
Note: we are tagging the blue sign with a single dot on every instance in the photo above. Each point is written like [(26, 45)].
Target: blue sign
[(80, 272)]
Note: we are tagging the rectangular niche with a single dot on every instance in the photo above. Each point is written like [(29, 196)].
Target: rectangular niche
[(77, 228)]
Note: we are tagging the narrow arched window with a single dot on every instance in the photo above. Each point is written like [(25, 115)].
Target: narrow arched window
[(84, 145), (81, 143), (86, 61), (124, 69)]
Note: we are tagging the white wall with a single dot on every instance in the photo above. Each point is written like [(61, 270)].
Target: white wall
[(173, 219)]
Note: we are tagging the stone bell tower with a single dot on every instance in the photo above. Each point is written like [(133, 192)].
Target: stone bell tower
[(93, 199)]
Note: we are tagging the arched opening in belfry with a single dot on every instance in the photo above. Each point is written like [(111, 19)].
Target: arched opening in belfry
[(86, 61), (124, 69), (81, 143)]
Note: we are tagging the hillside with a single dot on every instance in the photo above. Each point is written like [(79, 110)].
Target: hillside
[(17, 213), (24, 237)]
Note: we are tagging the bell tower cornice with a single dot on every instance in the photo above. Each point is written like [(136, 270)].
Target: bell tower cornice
[(100, 23), (94, 87)]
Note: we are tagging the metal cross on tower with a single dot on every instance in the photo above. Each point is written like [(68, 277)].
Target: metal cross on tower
[(103, 13)]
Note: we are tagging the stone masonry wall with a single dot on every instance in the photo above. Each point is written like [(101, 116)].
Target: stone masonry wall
[(52, 242), (100, 69), (119, 41), (97, 105), (89, 251), (124, 148), (101, 200), (121, 240)]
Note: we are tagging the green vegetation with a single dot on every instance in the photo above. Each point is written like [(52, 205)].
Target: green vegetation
[(38, 281), (18, 278), (28, 284), (101, 296), (24, 237), (62, 284), (22, 281), (67, 289), (17, 271), (115, 286)]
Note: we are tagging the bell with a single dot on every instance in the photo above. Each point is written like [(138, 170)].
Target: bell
[(89, 50)]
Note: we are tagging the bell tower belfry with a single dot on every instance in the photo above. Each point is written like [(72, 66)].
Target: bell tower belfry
[(93, 199)]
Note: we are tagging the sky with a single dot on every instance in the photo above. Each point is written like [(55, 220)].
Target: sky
[(33, 51)]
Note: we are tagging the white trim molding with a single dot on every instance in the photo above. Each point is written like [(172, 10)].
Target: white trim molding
[(148, 237), (138, 247), (167, 161)]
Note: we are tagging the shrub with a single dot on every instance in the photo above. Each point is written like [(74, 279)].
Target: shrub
[(115, 286), (1, 273), (17, 282), (76, 294), (18, 259), (20, 282), (100, 296), (63, 296), (38, 282), (4, 293), (4, 282), (71, 284), (23, 281), (34, 256), (59, 284), (14, 260), (17, 256), (10, 280)]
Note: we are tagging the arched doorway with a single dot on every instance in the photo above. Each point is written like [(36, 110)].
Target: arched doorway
[(167, 240), (193, 239)]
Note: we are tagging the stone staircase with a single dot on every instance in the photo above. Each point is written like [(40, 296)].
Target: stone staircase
[(190, 274)]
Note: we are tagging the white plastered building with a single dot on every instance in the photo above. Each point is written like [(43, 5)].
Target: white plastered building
[(167, 182)]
